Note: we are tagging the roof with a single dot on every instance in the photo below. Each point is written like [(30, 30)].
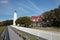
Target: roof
[(35, 17)]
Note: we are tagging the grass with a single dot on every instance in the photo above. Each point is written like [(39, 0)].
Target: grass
[(1, 28), (28, 35), (55, 29)]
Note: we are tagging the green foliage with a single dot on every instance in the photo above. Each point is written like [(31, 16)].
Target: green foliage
[(54, 15), (7, 22), (24, 20)]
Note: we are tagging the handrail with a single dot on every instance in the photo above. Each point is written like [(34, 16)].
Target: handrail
[(40, 33)]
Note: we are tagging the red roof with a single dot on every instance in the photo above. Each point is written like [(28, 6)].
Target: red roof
[(35, 17)]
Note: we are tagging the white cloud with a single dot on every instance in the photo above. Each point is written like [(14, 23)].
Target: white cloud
[(23, 10), (28, 7), (3, 1), (57, 2), (34, 5)]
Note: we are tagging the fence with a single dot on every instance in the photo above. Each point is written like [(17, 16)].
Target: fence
[(39, 34)]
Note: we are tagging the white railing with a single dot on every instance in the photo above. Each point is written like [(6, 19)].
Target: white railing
[(49, 35)]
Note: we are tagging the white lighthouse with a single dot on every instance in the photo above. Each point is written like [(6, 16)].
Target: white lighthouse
[(15, 17)]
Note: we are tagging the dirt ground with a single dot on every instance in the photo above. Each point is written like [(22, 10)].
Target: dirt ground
[(48, 29)]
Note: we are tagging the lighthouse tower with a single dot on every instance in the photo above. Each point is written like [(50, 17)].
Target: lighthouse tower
[(15, 17)]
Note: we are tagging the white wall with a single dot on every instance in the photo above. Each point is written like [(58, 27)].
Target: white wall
[(40, 33)]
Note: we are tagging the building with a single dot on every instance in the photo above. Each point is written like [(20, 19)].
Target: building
[(15, 17), (36, 21)]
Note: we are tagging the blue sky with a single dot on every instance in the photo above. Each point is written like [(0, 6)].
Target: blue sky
[(25, 7)]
